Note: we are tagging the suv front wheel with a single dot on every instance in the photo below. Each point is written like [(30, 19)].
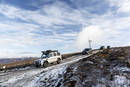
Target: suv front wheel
[(45, 64)]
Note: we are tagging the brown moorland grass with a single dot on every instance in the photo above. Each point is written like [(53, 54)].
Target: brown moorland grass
[(18, 64), (30, 62)]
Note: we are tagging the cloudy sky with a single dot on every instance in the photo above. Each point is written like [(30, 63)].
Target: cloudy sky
[(29, 26)]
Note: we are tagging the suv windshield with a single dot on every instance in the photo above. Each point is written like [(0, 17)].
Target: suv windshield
[(44, 56)]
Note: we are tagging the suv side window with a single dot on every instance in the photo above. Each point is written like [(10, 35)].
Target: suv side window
[(58, 53), (50, 55), (54, 54)]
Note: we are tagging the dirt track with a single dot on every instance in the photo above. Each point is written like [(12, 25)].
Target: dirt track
[(12, 78)]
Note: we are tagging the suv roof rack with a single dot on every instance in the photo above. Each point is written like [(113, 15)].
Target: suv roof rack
[(49, 51)]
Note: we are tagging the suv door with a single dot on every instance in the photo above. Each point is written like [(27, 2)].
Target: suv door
[(55, 56), (52, 58)]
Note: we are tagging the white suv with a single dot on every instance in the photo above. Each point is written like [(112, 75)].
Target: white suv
[(48, 57)]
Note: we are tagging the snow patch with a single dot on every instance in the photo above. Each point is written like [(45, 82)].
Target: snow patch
[(50, 78), (120, 81), (15, 77)]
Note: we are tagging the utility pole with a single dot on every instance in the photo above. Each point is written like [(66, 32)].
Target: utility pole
[(90, 41)]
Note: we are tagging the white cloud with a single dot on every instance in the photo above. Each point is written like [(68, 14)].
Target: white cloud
[(17, 33), (19, 37), (94, 33), (13, 12), (106, 29), (48, 15), (123, 5)]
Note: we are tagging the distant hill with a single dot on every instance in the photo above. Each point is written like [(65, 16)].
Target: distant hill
[(12, 60)]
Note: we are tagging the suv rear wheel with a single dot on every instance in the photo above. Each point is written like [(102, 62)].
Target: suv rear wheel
[(58, 61)]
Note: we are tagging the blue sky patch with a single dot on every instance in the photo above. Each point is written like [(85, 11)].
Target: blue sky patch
[(29, 26)]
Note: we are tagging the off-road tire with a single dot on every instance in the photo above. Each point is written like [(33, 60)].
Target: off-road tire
[(45, 64), (58, 61)]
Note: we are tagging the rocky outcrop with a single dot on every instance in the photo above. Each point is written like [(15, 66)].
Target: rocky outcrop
[(109, 68)]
